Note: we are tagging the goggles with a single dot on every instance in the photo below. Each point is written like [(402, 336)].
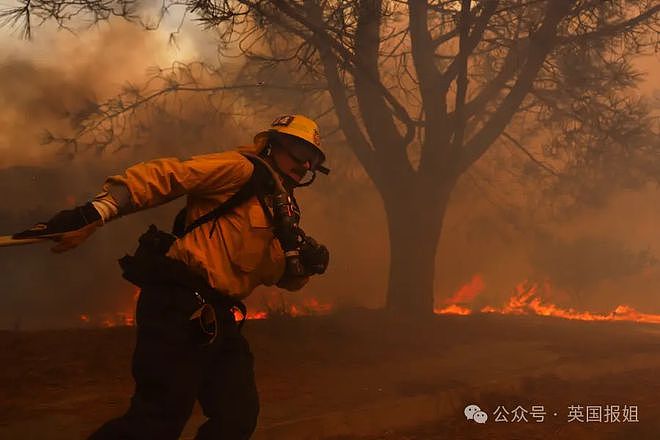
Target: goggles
[(314, 163)]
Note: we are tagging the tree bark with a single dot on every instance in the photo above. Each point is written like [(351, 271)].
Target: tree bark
[(414, 219)]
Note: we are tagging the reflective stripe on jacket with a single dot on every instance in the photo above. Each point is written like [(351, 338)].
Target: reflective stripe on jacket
[(242, 253)]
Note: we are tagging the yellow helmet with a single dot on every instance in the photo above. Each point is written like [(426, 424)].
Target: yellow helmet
[(295, 125)]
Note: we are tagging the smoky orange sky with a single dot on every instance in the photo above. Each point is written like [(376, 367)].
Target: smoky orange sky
[(44, 81)]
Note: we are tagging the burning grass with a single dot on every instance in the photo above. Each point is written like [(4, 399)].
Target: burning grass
[(527, 299), (271, 304)]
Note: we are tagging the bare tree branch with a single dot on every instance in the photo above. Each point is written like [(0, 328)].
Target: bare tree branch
[(530, 155), (462, 80), (541, 43), (347, 120)]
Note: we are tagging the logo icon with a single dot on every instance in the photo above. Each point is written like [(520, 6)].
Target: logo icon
[(282, 121), (473, 412)]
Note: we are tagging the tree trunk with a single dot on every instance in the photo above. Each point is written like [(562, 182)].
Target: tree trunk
[(414, 221)]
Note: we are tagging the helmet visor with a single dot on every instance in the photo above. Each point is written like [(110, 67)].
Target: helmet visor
[(302, 151)]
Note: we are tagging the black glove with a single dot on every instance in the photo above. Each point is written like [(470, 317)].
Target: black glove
[(64, 221), (68, 228), (315, 257)]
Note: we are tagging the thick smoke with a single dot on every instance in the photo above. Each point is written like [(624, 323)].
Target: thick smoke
[(41, 289), (50, 83)]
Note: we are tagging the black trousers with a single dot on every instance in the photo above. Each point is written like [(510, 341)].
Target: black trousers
[(172, 369)]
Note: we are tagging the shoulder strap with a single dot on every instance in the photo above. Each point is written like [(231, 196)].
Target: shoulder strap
[(257, 185)]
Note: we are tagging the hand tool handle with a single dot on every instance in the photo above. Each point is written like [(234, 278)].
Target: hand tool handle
[(7, 240)]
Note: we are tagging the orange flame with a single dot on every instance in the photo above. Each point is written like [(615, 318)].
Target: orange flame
[(117, 319), (272, 307), (526, 301), (468, 292), (454, 309), (255, 315)]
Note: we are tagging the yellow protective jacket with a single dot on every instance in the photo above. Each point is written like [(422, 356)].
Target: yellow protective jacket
[(242, 253)]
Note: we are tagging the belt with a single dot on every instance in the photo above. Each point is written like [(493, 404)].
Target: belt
[(150, 268)]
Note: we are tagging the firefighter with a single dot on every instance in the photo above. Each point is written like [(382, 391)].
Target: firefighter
[(236, 232)]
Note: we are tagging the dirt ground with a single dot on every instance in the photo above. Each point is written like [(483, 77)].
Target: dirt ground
[(63, 384), (641, 387)]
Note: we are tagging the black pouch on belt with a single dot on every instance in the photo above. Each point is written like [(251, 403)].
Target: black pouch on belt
[(145, 266)]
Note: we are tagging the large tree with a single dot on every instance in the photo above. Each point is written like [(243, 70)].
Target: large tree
[(421, 90)]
